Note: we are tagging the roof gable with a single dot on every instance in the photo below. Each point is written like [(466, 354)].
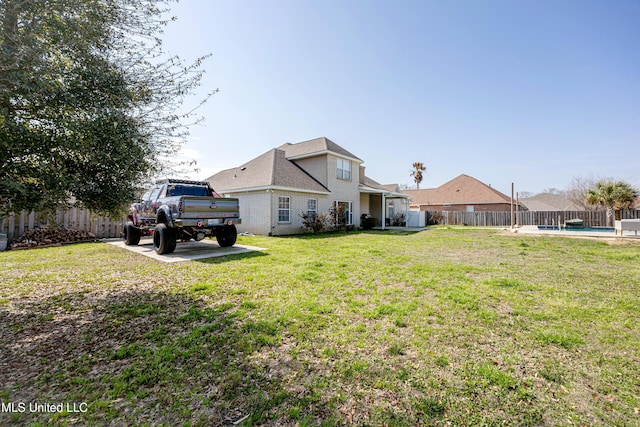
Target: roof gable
[(462, 190), (315, 147)]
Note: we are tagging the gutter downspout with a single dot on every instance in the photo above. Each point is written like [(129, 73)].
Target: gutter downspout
[(271, 223)]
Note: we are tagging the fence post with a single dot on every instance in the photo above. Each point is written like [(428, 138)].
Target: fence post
[(82, 220), (11, 232), (73, 214), (32, 220), (21, 221)]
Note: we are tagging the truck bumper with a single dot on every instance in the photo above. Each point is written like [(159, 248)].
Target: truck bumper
[(206, 223)]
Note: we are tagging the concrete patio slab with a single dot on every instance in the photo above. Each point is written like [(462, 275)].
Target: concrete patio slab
[(187, 251)]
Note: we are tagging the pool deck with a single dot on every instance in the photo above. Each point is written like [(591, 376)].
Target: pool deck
[(533, 229)]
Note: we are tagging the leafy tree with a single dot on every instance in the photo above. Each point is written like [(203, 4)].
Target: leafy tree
[(418, 168), (614, 196), (88, 101)]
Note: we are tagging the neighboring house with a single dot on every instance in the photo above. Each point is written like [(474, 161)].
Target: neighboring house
[(310, 177), (463, 193), (548, 202)]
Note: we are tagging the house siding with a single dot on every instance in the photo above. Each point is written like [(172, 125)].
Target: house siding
[(317, 167), (364, 206), (259, 211), (254, 211), (298, 205), (345, 190), (375, 207)]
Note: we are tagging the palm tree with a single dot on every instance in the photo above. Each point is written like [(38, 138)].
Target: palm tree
[(614, 196), (418, 167)]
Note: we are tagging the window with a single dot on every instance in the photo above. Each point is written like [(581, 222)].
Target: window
[(344, 170), (312, 208), (284, 209), (154, 194), (187, 190)]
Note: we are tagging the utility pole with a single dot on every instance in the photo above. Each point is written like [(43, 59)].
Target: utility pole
[(517, 210), (512, 218)]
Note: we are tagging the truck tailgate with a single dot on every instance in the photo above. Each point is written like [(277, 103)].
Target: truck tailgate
[(198, 207)]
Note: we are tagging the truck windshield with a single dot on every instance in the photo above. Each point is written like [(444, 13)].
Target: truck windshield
[(188, 190)]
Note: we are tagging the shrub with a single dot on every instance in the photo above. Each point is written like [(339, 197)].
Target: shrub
[(332, 220), (315, 222), (337, 217), (434, 218)]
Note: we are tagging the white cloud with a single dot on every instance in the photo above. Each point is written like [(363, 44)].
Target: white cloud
[(204, 172), (189, 154)]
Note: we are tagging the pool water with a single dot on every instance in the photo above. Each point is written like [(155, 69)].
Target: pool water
[(586, 229)]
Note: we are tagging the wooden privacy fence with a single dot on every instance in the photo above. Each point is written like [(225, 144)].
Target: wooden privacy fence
[(503, 219), (15, 225)]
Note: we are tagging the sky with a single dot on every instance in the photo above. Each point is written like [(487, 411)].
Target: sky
[(534, 93)]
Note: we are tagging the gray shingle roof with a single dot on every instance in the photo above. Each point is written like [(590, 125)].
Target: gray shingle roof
[(385, 187), (372, 183), (269, 169)]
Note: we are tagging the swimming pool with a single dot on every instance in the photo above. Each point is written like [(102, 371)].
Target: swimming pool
[(581, 229)]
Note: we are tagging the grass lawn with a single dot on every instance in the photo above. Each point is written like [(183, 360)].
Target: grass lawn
[(444, 327)]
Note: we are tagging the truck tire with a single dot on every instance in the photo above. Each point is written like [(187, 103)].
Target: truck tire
[(164, 239), (131, 235), (227, 237)]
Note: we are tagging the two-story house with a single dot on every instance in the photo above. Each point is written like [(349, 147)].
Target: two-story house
[(276, 187)]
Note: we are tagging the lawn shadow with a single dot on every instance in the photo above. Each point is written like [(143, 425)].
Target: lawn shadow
[(231, 257), (343, 233), (395, 231), (140, 357)]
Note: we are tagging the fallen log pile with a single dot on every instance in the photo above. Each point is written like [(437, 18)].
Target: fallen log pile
[(51, 237)]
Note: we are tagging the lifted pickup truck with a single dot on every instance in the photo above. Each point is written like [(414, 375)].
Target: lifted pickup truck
[(176, 209)]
